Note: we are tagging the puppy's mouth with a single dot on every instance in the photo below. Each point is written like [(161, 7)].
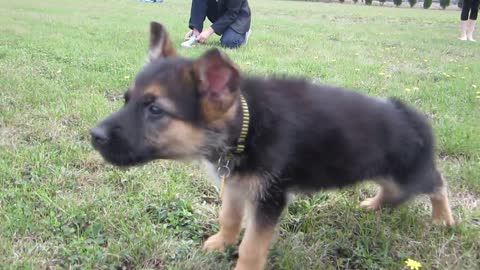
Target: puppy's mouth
[(122, 156), (125, 159)]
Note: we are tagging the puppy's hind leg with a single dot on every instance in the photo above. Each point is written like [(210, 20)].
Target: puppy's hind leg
[(440, 206), (427, 180), (388, 193)]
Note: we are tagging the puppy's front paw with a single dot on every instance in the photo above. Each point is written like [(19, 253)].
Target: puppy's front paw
[(371, 204), (257, 264), (216, 242), (241, 267), (443, 218)]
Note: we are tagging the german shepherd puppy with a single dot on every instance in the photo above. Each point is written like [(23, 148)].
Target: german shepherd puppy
[(301, 137)]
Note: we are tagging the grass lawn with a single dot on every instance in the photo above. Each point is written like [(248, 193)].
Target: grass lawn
[(65, 64)]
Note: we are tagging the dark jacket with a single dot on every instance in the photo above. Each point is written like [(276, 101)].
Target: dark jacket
[(233, 13)]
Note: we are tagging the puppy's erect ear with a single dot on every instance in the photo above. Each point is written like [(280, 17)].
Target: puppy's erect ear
[(218, 82), (160, 43)]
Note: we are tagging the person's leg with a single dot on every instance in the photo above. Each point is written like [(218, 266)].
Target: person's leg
[(201, 9), (473, 19), (464, 19), (474, 11), (212, 11), (231, 39)]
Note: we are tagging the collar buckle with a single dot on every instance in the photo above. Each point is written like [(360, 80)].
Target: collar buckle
[(223, 169), (223, 164)]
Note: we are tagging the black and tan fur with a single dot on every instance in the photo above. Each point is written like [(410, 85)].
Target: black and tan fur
[(302, 137)]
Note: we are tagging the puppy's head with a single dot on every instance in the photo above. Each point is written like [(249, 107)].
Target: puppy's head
[(176, 108)]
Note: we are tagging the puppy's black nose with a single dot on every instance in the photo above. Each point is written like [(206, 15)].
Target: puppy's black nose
[(99, 135)]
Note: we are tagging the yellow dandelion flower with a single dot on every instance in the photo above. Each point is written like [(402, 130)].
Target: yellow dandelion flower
[(357, 69), (381, 73), (334, 60), (408, 89), (412, 264), (126, 77), (474, 86)]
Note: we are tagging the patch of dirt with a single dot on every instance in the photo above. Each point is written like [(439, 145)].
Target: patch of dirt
[(154, 263), (114, 95), (127, 264), (8, 136), (465, 199), (462, 204), (93, 163), (458, 157), (73, 120)]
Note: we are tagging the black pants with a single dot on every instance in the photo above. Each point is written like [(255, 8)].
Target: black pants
[(202, 9), (470, 6)]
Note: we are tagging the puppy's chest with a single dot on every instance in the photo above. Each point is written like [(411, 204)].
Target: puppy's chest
[(212, 172), (248, 183)]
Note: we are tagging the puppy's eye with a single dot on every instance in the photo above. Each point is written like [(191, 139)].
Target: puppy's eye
[(155, 110)]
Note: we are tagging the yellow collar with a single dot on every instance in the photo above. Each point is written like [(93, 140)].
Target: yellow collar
[(223, 169), (245, 123), (223, 165)]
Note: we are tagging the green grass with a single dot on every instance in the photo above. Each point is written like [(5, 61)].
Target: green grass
[(65, 64)]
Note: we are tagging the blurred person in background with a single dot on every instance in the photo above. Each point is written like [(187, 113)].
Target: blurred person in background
[(230, 20)]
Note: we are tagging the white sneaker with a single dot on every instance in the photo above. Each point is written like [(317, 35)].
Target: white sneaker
[(463, 30), (471, 29), (190, 42)]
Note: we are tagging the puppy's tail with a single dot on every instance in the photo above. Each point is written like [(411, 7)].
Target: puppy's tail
[(418, 173), (419, 125)]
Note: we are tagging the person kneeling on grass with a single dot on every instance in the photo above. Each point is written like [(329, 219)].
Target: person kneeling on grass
[(230, 18)]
